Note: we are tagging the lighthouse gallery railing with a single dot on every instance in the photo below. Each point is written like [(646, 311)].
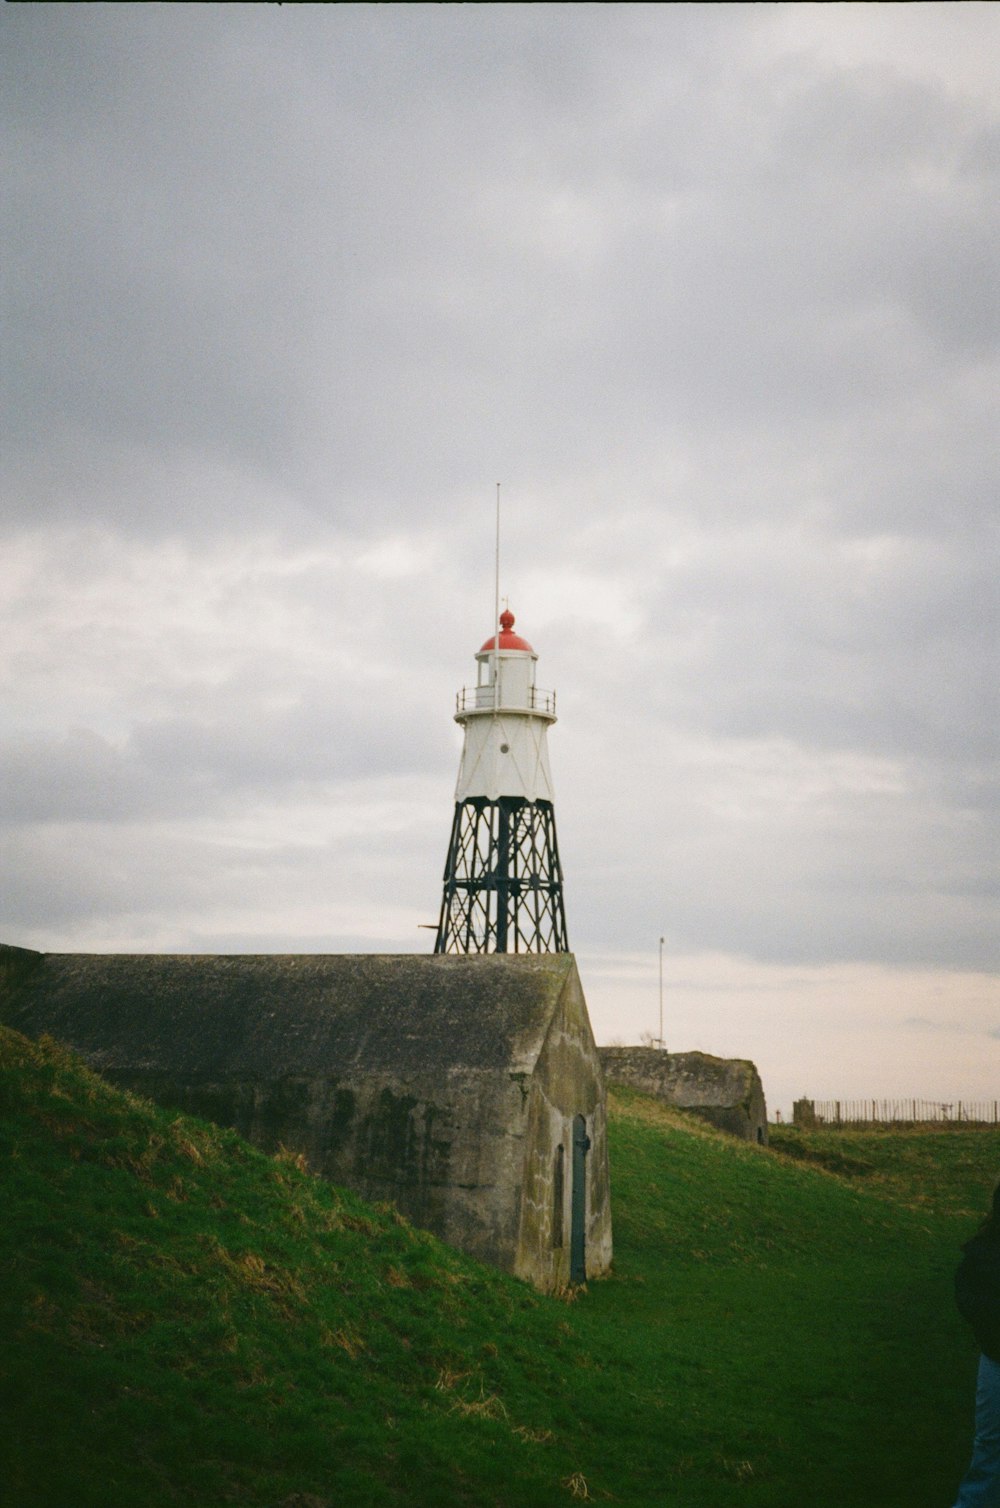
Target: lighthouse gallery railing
[(480, 699)]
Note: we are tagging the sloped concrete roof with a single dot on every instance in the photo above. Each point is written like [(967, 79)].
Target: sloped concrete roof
[(286, 1014)]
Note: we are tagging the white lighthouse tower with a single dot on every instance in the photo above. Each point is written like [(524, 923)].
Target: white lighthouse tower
[(502, 878)]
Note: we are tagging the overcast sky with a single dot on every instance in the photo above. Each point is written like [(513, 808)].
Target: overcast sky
[(713, 292)]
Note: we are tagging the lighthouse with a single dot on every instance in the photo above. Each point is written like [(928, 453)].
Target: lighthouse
[(502, 878)]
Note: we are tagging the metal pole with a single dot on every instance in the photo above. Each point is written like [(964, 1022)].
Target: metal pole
[(661, 995), (496, 615)]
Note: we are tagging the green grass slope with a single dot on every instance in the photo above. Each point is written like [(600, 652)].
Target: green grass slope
[(184, 1321)]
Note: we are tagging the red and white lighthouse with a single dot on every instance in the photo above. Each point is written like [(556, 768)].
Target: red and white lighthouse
[(502, 879)]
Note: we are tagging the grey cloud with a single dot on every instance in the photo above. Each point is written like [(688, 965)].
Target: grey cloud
[(182, 887), (887, 655), (183, 766), (719, 314), (334, 249), (862, 879), (49, 778), (927, 1024), (328, 742)]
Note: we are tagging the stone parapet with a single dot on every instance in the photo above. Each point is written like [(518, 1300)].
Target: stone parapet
[(727, 1092)]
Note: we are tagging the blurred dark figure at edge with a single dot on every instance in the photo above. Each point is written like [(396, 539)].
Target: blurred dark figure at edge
[(977, 1293)]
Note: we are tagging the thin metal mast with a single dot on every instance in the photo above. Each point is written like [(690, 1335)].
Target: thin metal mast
[(496, 616), (502, 852)]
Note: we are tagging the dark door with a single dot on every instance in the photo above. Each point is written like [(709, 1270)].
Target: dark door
[(578, 1217)]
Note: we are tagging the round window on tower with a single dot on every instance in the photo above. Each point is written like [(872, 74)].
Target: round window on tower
[(505, 748)]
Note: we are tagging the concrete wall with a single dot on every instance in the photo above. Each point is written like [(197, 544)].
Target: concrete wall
[(567, 1082), (727, 1092), (443, 1084)]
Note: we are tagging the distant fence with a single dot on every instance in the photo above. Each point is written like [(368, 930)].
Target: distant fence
[(855, 1114)]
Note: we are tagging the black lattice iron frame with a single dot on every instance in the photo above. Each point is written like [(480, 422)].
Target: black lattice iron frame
[(502, 880)]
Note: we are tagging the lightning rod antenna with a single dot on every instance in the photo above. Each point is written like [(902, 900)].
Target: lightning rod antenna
[(496, 614)]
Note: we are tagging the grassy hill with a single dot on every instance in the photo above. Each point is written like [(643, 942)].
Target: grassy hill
[(184, 1321)]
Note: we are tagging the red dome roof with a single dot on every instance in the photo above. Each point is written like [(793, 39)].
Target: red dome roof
[(508, 640)]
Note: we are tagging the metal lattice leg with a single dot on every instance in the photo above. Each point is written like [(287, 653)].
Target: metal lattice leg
[(502, 880)]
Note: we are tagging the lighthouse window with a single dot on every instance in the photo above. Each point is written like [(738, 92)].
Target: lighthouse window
[(505, 748)]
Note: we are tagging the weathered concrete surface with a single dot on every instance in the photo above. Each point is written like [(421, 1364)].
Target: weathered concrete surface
[(567, 1082), (443, 1084), (725, 1091)]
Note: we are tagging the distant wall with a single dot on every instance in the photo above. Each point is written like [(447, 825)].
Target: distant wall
[(727, 1092)]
